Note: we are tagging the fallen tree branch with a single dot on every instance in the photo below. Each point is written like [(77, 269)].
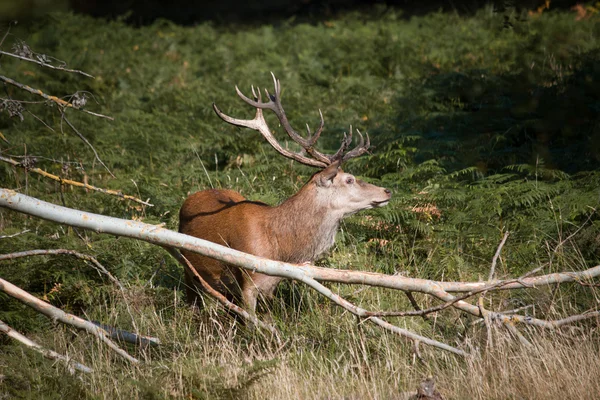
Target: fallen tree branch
[(511, 318), (64, 181), (63, 317), (455, 299), (71, 365), (164, 237), (304, 273), (416, 284)]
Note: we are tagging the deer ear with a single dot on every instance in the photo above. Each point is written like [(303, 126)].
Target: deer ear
[(325, 177)]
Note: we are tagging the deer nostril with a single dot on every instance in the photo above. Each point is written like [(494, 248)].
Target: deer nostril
[(387, 191)]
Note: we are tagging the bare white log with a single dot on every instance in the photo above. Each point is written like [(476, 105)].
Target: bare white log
[(45, 352), (310, 274), (164, 237)]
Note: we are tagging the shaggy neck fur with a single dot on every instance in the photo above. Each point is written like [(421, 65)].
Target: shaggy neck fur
[(304, 226)]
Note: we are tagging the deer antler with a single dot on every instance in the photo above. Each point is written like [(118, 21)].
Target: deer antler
[(258, 123)]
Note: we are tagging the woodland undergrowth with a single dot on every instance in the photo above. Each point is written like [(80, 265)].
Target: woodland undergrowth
[(482, 124)]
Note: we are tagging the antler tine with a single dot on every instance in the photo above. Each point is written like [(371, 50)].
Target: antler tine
[(313, 139), (277, 86), (339, 155), (258, 123), (360, 149), (254, 103), (273, 103)]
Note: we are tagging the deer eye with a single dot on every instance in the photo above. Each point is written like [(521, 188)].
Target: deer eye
[(350, 180)]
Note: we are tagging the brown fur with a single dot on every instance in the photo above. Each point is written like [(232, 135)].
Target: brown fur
[(298, 230)]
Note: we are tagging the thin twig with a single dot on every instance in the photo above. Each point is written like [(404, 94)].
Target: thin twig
[(39, 119), (562, 242), (60, 102), (455, 299), (495, 259), (6, 33), (50, 252), (71, 365), (64, 181), (64, 117), (43, 64), (414, 303), (59, 315)]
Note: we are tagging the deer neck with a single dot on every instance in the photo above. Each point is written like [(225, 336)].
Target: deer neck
[(304, 226)]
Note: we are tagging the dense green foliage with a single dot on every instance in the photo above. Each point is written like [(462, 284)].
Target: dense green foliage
[(479, 126)]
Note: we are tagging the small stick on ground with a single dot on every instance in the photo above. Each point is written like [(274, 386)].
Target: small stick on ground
[(52, 355), (14, 234)]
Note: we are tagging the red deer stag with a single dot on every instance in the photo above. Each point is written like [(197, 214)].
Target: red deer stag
[(298, 230)]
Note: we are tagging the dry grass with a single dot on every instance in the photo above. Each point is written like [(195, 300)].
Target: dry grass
[(325, 354), (555, 367)]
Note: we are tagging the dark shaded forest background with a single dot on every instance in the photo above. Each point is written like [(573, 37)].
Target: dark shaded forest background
[(252, 11)]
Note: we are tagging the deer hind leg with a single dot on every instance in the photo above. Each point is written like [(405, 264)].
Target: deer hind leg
[(192, 290)]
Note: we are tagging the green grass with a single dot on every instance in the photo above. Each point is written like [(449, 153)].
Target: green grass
[(479, 128)]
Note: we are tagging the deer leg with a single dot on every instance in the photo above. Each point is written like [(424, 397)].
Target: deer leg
[(249, 297)]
